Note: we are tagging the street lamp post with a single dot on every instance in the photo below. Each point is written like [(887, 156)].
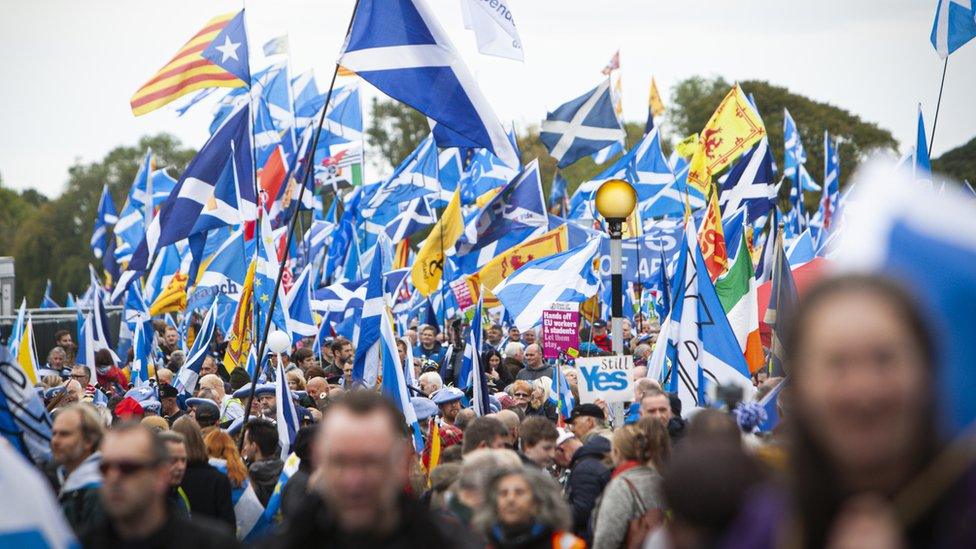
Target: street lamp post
[(615, 200)]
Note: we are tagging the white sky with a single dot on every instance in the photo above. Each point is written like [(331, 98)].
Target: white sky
[(69, 67)]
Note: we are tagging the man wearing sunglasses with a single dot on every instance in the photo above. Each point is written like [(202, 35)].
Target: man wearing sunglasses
[(136, 472)]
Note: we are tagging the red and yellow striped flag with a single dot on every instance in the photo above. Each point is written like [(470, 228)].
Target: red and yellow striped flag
[(187, 71)]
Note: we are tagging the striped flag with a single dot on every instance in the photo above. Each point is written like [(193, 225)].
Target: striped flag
[(737, 290), (192, 68)]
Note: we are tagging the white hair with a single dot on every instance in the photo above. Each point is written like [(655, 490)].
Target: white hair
[(433, 378), (513, 349)]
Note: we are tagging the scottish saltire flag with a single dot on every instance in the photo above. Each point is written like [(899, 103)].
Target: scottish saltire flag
[(181, 210), (415, 216), (366, 364), (13, 342), (47, 302), (768, 404), (276, 46), (318, 236), (105, 216), (223, 275), (33, 519), (955, 24), (558, 194), (339, 296), (86, 346), (921, 166), (101, 333), (136, 316), (167, 264), (286, 414), (301, 321), (307, 100), (27, 410), (344, 118), (794, 154), (751, 183), (449, 172), (272, 512), (519, 205), (560, 393), (831, 184), (582, 126), (701, 346), (399, 47), (909, 229), (472, 352), (137, 211), (485, 173), (566, 276), (394, 384), (416, 176), (604, 155), (233, 201), (802, 250), (782, 302), (186, 379)]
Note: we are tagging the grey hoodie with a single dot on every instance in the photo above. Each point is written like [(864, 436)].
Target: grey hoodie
[(618, 505)]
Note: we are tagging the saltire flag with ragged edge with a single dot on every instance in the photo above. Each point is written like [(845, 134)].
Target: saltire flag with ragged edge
[(582, 126), (567, 276), (732, 130), (399, 47), (954, 25), (105, 216), (216, 57), (181, 210)]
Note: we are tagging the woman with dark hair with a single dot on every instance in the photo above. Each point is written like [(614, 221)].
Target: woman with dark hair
[(208, 489), (525, 509), (498, 377), (861, 367)]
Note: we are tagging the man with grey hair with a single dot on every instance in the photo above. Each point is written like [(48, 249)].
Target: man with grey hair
[(75, 437), (430, 382), (55, 363), (230, 408), (476, 468)]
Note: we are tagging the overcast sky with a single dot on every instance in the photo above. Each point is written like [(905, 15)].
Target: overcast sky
[(69, 67)]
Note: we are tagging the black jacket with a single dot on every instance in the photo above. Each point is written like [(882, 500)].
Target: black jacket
[(313, 525), (587, 478), (264, 477), (209, 493), (548, 410), (177, 532)]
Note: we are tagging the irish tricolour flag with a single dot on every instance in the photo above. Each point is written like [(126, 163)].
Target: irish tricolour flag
[(737, 291)]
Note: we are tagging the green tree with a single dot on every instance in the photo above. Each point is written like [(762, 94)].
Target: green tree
[(959, 163), (15, 208), (52, 242), (693, 100), (394, 131)]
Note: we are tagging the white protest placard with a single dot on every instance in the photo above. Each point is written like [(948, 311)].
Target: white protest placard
[(605, 377)]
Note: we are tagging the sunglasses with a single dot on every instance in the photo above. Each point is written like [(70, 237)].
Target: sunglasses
[(125, 468), (522, 395)]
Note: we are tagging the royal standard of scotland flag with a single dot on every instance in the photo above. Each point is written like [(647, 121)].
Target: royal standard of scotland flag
[(399, 47), (582, 126)]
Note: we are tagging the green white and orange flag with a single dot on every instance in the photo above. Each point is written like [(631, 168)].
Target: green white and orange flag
[(737, 291)]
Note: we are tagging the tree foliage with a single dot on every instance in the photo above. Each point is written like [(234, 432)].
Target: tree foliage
[(960, 163), (50, 238), (394, 131)]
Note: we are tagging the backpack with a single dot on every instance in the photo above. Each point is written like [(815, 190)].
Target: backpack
[(639, 527)]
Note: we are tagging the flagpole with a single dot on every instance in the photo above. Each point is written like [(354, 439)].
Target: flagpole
[(309, 158), (938, 104)]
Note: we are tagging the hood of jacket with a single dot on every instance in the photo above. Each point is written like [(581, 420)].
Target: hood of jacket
[(86, 475), (596, 447)]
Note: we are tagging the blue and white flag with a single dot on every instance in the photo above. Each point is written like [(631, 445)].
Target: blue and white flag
[(831, 185), (276, 46), (415, 177), (224, 272), (301, 321), (366, 363), (449, 172), (472, 355), (802, 250), (768, 404), (560, 393), (186, 380), (558, 193), (750, 183), (955, 24), (180, 212), (399, 47), (229, 49), (265, 278), (26, 421), (101, 332), (285, 413), (416, 216), (485, 172), (307, 100), (17, 332), (394, 384), (105, 216), (519, 205), (33, 518), (698, 335), (567, 276), (582, 126), (926, 240), (135, 315), (494, 28), (921, 165), (794, 154), (47, 302)]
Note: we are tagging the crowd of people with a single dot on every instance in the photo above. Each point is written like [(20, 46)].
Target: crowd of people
[(856, 459)]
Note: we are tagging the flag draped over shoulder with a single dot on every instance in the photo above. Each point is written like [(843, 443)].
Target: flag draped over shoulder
[(428, 267), (733, 129), (194, 67)]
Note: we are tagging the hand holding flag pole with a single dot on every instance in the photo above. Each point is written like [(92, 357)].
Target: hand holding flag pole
[(309, 158)]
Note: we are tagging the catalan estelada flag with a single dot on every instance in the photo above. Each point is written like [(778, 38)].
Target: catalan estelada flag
[(216, 57)]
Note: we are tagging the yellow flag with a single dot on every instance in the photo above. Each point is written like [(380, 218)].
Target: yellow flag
[(618, 97), (654, 101), (711, 239), (687, 146), (429, 263), (241, 331), (732, 130), (26, 355), (173, 297), (499, 268)]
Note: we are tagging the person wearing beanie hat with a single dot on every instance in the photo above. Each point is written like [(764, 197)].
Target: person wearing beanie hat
[(129, 408)]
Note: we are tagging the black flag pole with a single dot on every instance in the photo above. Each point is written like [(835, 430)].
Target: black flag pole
[(309, 158), (937, 105)]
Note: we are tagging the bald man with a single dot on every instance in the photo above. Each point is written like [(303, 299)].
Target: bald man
[(230, 407)]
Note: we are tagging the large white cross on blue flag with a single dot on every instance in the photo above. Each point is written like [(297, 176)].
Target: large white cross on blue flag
[(955, 24), (582, 126), (399, 47)]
